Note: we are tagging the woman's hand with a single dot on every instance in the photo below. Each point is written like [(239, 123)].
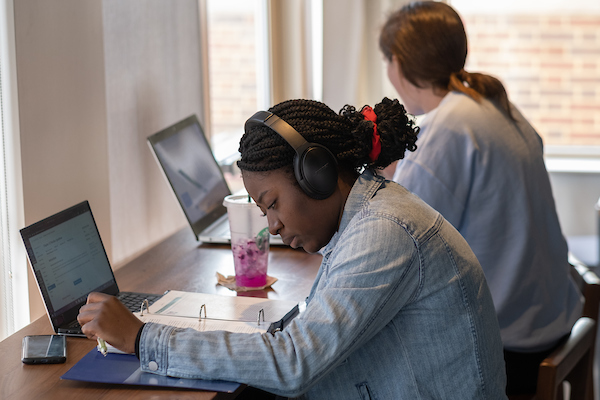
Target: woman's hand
[(106, 317)]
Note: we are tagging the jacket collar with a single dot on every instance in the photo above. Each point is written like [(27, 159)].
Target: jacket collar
[(365, 187)]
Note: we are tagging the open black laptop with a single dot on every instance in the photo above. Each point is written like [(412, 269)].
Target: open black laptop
[(187, 162), (69, 261)]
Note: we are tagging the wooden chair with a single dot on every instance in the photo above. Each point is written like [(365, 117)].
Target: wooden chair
[(589, 284), (573, 361)]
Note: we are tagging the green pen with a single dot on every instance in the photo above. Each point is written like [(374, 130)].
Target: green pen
[(102, 347)]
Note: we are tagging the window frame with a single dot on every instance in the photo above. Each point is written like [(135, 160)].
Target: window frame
[(14, 301)]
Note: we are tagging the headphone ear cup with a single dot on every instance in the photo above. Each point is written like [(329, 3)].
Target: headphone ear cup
[(316, 171)]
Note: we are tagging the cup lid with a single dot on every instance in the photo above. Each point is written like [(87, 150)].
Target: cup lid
[(239, 200)]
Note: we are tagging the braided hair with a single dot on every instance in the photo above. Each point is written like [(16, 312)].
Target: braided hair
[(348, 135)]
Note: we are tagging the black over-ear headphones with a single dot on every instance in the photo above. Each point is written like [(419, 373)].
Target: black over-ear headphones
[(315, 166)]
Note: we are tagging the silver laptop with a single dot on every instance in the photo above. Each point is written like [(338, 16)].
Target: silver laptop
[(196, 179), (69, 261)]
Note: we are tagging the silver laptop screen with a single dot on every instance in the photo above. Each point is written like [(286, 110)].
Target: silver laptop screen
[(195, 177), (70, 260)]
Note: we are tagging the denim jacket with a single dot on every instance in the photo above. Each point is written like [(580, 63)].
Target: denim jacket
[(399, 310)]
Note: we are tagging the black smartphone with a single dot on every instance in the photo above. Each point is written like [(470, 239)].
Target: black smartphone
[(44, 349)]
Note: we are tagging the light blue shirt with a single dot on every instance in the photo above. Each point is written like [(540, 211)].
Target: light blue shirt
[(399, 310), (485, 174)]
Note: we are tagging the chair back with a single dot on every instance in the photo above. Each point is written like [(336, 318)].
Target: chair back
[(572, 361), (589, 285)]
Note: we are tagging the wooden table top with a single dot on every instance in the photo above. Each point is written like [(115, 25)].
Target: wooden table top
[(177, 263)]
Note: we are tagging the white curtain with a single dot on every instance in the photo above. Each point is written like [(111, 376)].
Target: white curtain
[(14, 299), (291, 41), (353, 68), (328, 50)]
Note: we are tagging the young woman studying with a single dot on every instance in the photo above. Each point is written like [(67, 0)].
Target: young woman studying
[(399, 309)]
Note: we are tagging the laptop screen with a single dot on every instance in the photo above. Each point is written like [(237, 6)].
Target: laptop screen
[(192, 171), (68, 260)]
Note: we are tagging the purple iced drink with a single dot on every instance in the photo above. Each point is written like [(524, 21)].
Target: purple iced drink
[(250, 261)]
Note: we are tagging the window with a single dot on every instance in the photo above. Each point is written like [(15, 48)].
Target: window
[(237, 68), (547, 54)]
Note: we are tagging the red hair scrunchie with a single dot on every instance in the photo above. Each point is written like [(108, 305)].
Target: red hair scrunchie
[(370, 115)]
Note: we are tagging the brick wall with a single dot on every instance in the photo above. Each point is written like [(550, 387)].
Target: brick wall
[(550, 66), (232, 69)]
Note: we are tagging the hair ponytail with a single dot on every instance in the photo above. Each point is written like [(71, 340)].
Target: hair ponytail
[(396, 129), (477, 85)]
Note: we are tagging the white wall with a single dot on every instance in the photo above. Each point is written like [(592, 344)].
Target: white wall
[(95, 78), (575, 195), (153, 79)]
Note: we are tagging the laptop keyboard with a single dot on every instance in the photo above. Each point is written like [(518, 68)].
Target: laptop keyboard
[(134, 301), (73, 327)]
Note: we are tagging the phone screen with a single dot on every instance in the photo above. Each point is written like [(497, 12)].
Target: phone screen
[(44, 349)]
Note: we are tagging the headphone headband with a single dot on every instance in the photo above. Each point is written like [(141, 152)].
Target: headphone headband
[(284, 129), (315, 166)]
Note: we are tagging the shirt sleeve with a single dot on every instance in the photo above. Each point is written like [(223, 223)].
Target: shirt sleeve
[(367, 279)]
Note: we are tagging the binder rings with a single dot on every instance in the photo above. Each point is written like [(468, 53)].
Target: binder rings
[(209, 312)]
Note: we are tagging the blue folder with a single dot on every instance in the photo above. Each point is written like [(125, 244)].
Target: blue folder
[(125, 369)]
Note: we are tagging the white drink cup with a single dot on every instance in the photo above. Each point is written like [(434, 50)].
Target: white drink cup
[(249, 240)]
